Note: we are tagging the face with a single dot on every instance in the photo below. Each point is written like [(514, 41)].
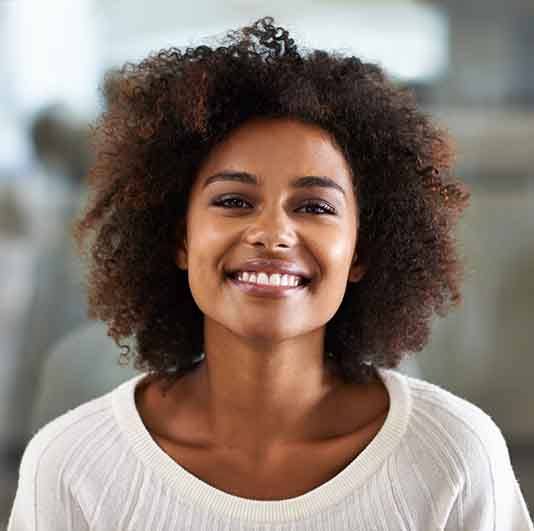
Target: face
[(230, 221)]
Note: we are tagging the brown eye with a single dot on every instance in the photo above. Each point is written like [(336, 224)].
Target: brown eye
[(325, 207), (225, 202)]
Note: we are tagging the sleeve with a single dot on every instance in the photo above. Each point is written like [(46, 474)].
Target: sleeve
[(41, 502), (491, 497)]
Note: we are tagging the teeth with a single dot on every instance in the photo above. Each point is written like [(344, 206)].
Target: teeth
[(273, 280), (263, 278)]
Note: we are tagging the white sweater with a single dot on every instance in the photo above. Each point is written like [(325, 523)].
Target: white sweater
[(438, 463)]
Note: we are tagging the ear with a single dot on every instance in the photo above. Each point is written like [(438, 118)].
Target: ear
[(180, 257), (357, 269)]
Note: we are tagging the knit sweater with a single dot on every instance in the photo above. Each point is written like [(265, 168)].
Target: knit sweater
[(438, 463)]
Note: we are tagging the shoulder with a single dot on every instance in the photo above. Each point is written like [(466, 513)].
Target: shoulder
[(81, 444), (441, 407), (53, 464), (54, 447), (454, 432), (82, 463), (462, 460), (76, 449)]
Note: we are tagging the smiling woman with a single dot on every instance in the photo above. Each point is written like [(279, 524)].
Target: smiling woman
[(172, 111), (275, 230), (237, 217)]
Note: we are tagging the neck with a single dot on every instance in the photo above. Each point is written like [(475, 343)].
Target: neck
[(256, 395)]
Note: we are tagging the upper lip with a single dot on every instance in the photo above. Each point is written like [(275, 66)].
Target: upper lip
[(271, 265)]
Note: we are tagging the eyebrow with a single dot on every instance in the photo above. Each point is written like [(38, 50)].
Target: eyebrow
[(307, 181)]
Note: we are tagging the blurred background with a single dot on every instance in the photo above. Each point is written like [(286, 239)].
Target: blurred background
[(471, 64)]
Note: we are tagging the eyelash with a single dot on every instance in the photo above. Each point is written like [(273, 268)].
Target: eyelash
[(320, 204)]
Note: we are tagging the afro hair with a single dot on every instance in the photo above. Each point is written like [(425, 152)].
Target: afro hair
[(164, 114)]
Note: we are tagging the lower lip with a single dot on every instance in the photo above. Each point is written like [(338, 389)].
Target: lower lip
[(266, 290)]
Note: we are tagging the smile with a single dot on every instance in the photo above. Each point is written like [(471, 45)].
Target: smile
[(280, 287)]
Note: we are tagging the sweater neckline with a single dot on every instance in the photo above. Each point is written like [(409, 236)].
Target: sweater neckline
[(196, 491)]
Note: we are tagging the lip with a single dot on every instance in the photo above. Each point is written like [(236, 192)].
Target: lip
[(270, 266), (264, 290)]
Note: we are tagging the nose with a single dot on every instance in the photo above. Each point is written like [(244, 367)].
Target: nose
[(272, 229)]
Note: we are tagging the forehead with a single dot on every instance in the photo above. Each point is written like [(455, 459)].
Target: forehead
[(281, 146)]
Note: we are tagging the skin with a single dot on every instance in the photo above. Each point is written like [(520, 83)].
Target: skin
[(263, 388)]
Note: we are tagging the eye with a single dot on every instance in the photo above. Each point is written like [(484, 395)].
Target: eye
[(234, 201), (325, 207), (223, 201)]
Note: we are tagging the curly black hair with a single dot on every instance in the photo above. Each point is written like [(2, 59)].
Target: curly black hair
[(167, 112)]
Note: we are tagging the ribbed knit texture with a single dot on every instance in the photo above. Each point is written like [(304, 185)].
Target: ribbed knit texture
[(438, 463)]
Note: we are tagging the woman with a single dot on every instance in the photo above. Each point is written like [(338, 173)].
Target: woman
[(275, 232)]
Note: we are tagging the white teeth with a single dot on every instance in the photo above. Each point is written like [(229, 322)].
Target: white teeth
[(273, 280), (263, 278)]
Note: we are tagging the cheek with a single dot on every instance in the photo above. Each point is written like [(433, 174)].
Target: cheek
[(334, 252), (207, 247), (340, 251)]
